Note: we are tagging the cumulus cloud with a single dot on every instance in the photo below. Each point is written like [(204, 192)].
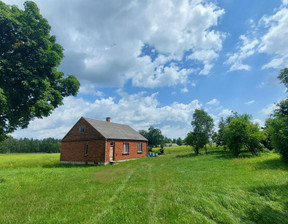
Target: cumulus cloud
[(274, 41), (104, 41), (137, 110)]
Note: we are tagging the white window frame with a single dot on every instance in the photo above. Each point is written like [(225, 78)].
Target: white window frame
[(140, 146), (126, 148)]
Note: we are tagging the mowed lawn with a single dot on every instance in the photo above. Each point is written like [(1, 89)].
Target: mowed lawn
[(177, 187)]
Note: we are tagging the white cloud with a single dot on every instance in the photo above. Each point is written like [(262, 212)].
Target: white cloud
[(103, 40), (250, 102), (137, 110), (213, 102), (245, 50), (206, 56), (259, 122), (274, 41), (270, 41), (90, 89), (268, 110), (225, 113), (184, 90)]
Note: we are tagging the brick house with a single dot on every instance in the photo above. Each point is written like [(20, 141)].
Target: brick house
[(100, 142)]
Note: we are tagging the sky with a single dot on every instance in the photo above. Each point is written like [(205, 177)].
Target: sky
[(152, 63)]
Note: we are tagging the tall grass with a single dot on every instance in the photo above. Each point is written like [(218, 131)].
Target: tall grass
[(177, 187)]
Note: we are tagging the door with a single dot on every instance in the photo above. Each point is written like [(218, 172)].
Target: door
[(111, 154)]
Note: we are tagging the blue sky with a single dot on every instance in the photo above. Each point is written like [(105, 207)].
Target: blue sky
[(149, 63)]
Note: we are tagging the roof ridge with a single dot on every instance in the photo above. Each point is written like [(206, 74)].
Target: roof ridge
[(111, 130)]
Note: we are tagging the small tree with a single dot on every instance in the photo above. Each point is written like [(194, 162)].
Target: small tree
[(220, 135), (202, 130), (179, 141)]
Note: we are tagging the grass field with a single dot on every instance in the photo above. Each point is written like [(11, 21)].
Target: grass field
[(177, 187)]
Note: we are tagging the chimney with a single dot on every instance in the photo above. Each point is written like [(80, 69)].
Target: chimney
[(108, 119)]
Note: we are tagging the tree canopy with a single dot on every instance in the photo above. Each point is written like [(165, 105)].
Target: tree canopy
[(277, 127), (283, 76), (241, 134), (218, 137), (153, 135), (202, 130), (30, 85)]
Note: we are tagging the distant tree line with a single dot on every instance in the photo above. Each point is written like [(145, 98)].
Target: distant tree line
[(25, 145)]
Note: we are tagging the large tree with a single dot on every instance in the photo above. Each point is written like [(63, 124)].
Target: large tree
[(154, 136), (202, 130), (30, 85)]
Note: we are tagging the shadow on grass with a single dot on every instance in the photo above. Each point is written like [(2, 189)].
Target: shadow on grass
[(270, 214), (59, 165), (217, 153), (274, 164), (189, 155)]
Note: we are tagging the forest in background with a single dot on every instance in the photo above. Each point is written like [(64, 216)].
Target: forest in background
[(25, 145)]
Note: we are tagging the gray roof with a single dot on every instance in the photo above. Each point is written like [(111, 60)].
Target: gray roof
[(111, 130)]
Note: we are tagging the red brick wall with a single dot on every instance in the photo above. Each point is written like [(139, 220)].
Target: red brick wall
[(75, 151), (133, 150), (89, 134)]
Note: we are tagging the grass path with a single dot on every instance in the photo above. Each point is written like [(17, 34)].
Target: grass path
[(109, 204), (152, 203), (178, 187)]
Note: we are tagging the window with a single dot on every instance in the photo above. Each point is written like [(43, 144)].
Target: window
[(82, 129), (86, 150), (126, 148), (139, 147)]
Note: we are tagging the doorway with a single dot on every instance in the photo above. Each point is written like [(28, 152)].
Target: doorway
[(111, 151)]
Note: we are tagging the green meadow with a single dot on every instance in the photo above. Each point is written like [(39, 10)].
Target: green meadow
[(177, 187)]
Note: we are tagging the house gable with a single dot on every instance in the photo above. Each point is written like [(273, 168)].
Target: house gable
[(82, 131)]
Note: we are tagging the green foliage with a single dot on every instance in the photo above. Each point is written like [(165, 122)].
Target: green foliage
[(25, 145), (242, 134), (218, 138), (277, 127), (179, 141), (283, 76), (154, 136), (202, 130), (30, 85)]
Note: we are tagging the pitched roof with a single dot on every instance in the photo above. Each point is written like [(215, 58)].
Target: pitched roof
[(111, 130)]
